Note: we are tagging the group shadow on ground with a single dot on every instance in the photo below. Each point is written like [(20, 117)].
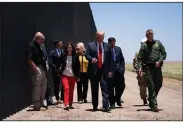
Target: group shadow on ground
[(100, 109), (144, 109)]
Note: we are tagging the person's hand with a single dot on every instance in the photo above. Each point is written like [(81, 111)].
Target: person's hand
[(94, 60), (37, 70), (109, 74), (60, 68), (157, 64), (78, 79)]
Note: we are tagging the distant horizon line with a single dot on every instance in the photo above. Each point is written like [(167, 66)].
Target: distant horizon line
[(165, 61)]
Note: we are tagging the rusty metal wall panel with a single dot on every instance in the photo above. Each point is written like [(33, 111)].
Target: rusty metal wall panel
[(18, 24)]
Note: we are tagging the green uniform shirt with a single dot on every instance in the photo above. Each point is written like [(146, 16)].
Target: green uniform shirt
[(151, 52)]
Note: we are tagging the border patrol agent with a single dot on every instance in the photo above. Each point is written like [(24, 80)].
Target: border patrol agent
[(141, 81), (151, 56)]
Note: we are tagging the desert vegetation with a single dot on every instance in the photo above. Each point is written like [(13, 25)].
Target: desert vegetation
[(171, 70)]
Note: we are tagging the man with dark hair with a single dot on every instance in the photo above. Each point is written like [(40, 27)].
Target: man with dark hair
[(54, 57), (116, 73), (150, 59), (38, 61)]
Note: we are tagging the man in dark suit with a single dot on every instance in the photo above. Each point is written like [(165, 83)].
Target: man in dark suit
[(54, 57), (97, 54), (116, 73)]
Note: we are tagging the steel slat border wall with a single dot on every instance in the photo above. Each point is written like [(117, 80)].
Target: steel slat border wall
[(18, 23)]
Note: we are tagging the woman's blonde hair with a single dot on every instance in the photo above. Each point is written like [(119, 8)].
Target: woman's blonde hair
[(82, 46)]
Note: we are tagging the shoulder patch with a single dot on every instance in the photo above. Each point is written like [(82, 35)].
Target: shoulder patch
[(156, 44)]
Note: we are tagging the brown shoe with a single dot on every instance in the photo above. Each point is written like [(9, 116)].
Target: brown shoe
[(36, 109), (145, 101), (155, 109)]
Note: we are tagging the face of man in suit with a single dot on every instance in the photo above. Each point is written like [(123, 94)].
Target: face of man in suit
[(112, 42), (59, 45), (99, 37)]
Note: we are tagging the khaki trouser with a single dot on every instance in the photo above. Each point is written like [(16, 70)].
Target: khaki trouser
[(142, 87), (39, 82)]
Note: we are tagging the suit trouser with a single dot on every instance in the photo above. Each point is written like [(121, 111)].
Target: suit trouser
[(49, 92), (62, 92), (57, 85), (39, 82), (117, 83), (123, 83), (82, 87), (95, 89), (68, 84)]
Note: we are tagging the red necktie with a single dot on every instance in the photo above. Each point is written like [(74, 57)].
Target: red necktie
[(100, 56)]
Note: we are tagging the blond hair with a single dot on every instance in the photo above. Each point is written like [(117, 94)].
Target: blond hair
[(82, 46)]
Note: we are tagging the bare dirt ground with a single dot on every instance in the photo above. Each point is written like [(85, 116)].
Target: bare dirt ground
[(169, 100)]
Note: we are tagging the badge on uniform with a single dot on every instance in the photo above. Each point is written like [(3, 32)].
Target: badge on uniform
[(156, 44)]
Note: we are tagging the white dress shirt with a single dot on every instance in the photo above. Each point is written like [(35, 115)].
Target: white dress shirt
[(68, 69), (58, 51)]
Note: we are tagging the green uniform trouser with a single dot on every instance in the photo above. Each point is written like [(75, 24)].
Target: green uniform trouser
[(154, 81)]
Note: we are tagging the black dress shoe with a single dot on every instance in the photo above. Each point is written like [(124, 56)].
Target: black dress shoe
[(112, 106), (119, 103), (85, 101), (49, 102), (44, 106), (66, 108), (107, 110), (95, 109), (71, 107)]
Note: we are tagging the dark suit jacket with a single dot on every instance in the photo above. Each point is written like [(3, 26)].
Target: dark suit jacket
[(75, 64), (54, 60), (119, 63), (92, 52)]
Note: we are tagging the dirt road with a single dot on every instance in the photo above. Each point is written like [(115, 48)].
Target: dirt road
[(169, 100)]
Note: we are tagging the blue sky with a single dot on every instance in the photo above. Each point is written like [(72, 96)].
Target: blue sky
[(127, 22)]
